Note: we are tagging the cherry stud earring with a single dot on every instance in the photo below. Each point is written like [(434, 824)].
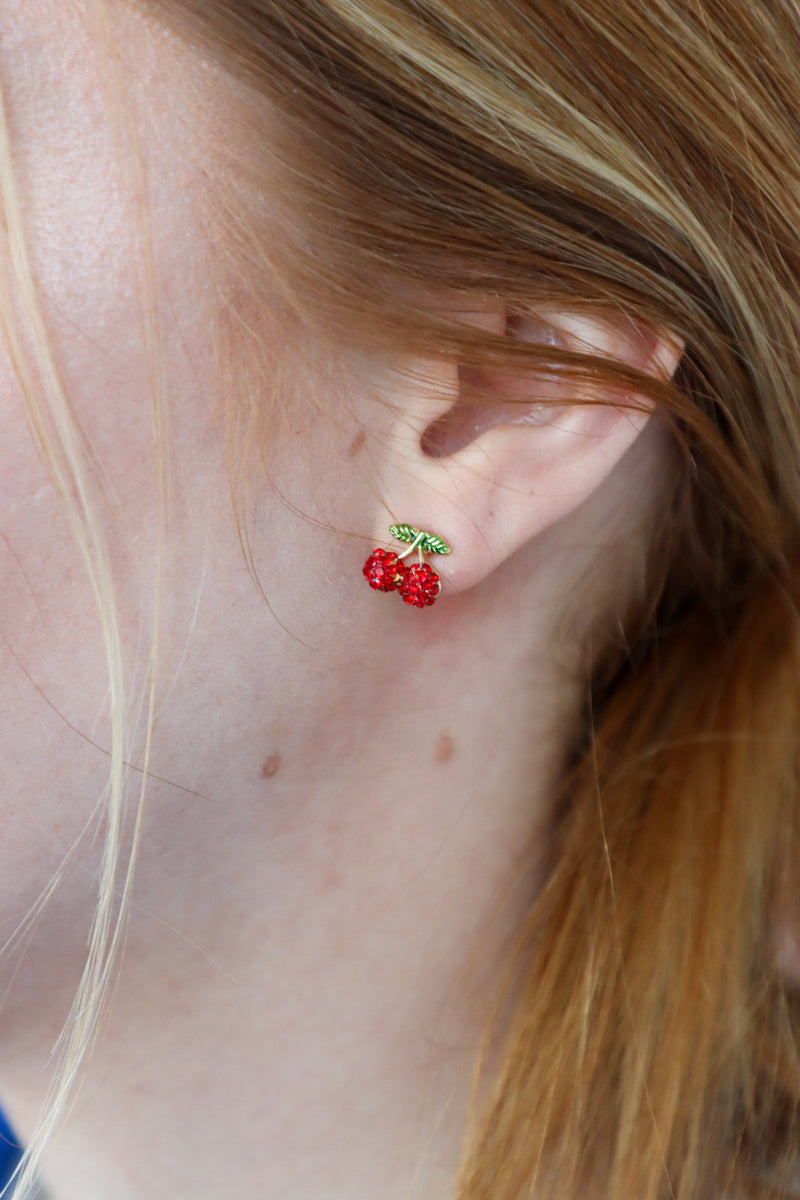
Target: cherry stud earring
[(419, 585)]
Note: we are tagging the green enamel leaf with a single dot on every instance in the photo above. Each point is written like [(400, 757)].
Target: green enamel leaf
[(434, 545), (427, 542), (404, 533)]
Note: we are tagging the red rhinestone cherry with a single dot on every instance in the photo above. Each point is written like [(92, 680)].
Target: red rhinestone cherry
[(384, 571), (419, 586)]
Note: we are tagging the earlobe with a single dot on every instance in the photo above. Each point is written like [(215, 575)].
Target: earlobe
[(491, 468)]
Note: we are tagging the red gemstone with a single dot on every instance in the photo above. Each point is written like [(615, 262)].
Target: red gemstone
[(420, 586), (383, 570)]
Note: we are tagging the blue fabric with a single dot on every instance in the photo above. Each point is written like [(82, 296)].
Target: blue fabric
[(10, 1151)]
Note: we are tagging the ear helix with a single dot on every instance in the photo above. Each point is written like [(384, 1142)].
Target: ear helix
[(419, 585)]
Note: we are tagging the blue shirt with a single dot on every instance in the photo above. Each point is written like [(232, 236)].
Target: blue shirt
[(10, 1151)]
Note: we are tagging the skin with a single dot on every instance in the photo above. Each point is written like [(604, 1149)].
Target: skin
[(349, 801)]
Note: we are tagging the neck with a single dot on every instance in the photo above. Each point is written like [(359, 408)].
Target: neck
[(318, 933)]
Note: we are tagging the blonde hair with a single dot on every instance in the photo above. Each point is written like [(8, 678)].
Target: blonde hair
[(642, 159), (58, 438)]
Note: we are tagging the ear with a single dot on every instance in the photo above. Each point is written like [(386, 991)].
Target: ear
[(479, 459)]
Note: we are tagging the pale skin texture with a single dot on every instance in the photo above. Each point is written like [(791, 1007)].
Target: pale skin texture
[(351, 782)]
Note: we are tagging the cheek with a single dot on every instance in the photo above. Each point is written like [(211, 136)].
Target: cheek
[(53, 689), (97, 245), (55, 727)]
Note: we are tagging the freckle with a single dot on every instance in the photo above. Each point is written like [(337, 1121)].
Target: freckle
[(357, 444), (271, 766), (445, 748)]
